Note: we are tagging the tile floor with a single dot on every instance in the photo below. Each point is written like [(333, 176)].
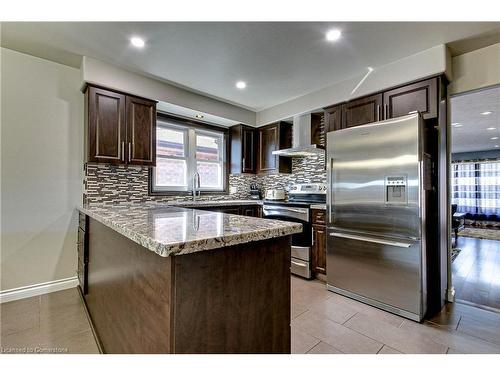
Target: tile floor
[(51, 323), (322, 322)]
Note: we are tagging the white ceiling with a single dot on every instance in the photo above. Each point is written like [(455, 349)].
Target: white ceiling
[(278, 60), (466, 110)]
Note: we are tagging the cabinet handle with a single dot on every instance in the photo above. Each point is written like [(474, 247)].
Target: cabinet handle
[(129, 152), (386, 111), (378, 112), (123, 151), (243, 163)]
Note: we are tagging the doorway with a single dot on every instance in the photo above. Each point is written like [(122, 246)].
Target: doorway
[(475, 197)]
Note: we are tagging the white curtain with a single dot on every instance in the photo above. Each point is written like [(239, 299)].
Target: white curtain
[(476, 187)]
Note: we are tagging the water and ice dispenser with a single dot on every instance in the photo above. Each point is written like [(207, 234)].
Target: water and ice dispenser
[(396, 189)]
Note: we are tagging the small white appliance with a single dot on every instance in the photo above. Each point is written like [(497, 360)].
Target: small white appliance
[(275, 194)]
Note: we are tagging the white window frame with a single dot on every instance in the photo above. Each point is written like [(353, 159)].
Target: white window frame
[(190, 133)]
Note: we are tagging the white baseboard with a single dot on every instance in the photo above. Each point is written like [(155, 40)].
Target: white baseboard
[(37, 289)]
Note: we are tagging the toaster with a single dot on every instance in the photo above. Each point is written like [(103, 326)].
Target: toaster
[(275, 194)]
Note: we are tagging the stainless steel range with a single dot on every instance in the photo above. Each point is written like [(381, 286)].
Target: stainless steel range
[(297, 208)]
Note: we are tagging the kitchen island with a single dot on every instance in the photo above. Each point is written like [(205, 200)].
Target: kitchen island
[(163, 279)]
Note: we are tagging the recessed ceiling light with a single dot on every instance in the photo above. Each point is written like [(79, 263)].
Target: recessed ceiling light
[(137, 42), (241, 84), (199, 116), (486, 113), (457, 125), (494, 138), (497, 146), (491, 128), (333, 35)]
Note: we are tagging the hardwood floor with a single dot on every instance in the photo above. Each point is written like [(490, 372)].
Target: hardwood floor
[(322, 323), (476, 272)]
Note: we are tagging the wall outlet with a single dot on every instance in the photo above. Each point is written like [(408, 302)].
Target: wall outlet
[(233, 190)]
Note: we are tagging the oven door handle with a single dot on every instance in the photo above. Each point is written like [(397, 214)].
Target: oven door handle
[(281, 208), (299, 264)]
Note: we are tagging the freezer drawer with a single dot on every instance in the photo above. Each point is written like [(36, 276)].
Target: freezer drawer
[(301, 252), (383, 272), (300, 268)]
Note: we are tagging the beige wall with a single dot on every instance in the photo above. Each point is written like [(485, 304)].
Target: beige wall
[(420, 65), (111, 76), (41, 169), (476, 69)]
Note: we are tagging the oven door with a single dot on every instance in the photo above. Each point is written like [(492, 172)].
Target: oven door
[(301, 242), (296, 215)]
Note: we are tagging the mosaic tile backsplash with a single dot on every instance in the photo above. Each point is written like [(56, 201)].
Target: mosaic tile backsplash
[(107, 184)]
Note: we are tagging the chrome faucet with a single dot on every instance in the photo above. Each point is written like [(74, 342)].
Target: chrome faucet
[(196, 185)]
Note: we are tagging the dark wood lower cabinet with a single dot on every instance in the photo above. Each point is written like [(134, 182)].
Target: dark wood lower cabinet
[(227, 210), (319, 249), (234, 299), (252, 210), (83, 254)]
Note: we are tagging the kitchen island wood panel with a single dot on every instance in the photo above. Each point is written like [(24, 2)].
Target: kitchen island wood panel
[(234, 299)]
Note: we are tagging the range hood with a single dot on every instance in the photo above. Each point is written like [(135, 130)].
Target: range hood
[(302, 144)]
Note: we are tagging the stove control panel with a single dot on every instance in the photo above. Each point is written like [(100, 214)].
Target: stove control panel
[(312, 188)]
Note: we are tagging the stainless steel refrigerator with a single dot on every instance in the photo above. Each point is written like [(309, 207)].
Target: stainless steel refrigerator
[(377, 178)]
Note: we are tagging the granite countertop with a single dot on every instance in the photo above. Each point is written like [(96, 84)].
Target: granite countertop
[(222, 202), (169, 230)]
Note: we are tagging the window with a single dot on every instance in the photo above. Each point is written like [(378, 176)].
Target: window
[(181, 151), (476, 187)]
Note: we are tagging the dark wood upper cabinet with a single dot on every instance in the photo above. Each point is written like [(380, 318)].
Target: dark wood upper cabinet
[(141, 131), (362, 111), (272, 138), (333, 118), (268, 142), (420, 96), (105, 114), (318, 134), (120, 129), (411, 98), (243, 149)]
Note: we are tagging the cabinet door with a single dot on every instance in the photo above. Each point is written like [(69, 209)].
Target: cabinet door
[(268, 142), (106, 126), (333, 118), (363, 111), (229, 210), (250, 211), (421, 96), (141, 131), (319, 249), (248, 150)]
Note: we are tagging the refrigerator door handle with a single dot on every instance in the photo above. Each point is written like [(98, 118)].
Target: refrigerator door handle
[(369, 239), (329, 192)]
